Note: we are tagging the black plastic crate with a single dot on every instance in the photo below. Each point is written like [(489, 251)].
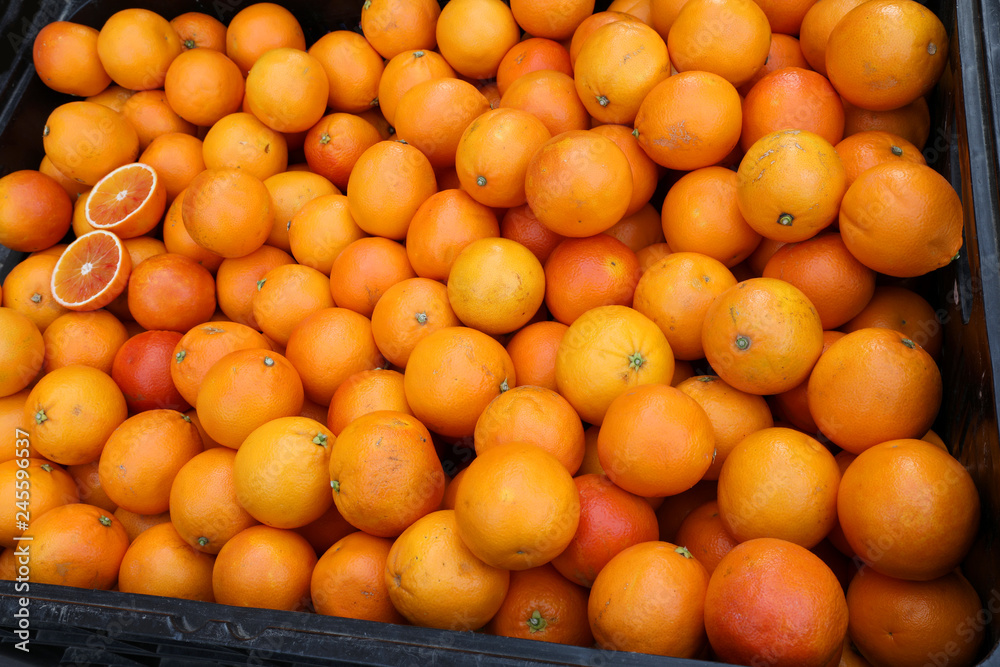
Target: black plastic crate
[(74, 626)]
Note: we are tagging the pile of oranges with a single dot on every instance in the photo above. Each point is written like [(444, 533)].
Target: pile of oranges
[(463, 395)]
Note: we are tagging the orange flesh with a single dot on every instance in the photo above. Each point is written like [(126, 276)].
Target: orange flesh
[(120, 196), (85, 269)]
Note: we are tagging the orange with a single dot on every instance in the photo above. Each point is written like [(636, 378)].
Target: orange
[(474, 35), (328, 347), (908, 509), (451, 377), (905, 311), (72, 412), (533, 351), (349, 580), (604, 353), (735, 46), (533, 415), (200, 30), (762, 336), (542, 605), (280, 472), (792, 98), (611, 520), (537, 513), (266, 568), (136, 47), (912, 122), (160, 284), (817, 24), (91, 272), (758, 258), (48, 485), (388, 184), (434, 580), (902, 218), (176, 158), (334, 144), (785, 17), (141, 369), (236, 281), (701, 214), (703, 534), (655, 441), (150, 114), (909, 622), (907, 40), (136, 524), (520, 224), (76, 545), (442, 227), (408, 312), (405, 70), (551, 97), (891, 385), (364, 270), (793, 405), (240, 141), (650, 599), (159, 562), (797, 192), (815, 266), (532, 55), (321, 230), (393, 27), (785, 51), (578, 183), (201, 346), (494, 153), (86, 140), (651, 255), (638, 230), (864, 150), (690, 120), (352, 67), (584, 273), (590, 25), (734, 414), (141, 458), (27, 289), (35, 211), (637, 8), (365, 392), (245, 389), (778, 482), (203, 505), (616, 68), (433, 114), (66, 60), (218, 202), (73, 188), (203, 86), (325, 531), (385, 473), (676, 508), (773, 600), (91, 339), (287, 89), (290, 191), (259, 28), (88, 483), (554, 19), (129, 201), (496, 285)]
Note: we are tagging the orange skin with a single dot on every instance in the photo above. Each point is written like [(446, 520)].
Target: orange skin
[(203, 345), (236, 281), (286, 296), (136, 47), (177, 159), (218, 201), (931, 509), (203, 505), (590, 25), (551, 97), (259, 28), (803, 619), (474, 36), (676, 508), (27, 289), (433, 114), (638, 230), (792, 97), (136, 524), (734, 414), (611, 520), (325, 531), (334, 144), (617, 67), (88, 483), (393, 28), (141, 368), (542, 605), (352, 67), (652, 580), (65, 57), (704, 534), (289, 192), (520, 224), (645, 172), (389, 167), (908, 388), (735, 48), (532, 55), (552, 18), (364, 392), (157, 284), (142, 457), (77, 545), (912, 122), (266, 568), (442, 227), (321, 230), (785, 51), (35, 211), (192, 74), (905, 311), (864, 150), (51, 486), (73, 188), (818, 22), (582, 273), (533, 351), (364, 270), (161, 563), (408, 312), (240, 141), (281, 76), (11, 418), (384, 494), (405, 70), (149, 112), (349, 580), (200, 30), (793, 405)]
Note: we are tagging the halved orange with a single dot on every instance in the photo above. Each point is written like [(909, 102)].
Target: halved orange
[(129, 201), (91, 272)]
